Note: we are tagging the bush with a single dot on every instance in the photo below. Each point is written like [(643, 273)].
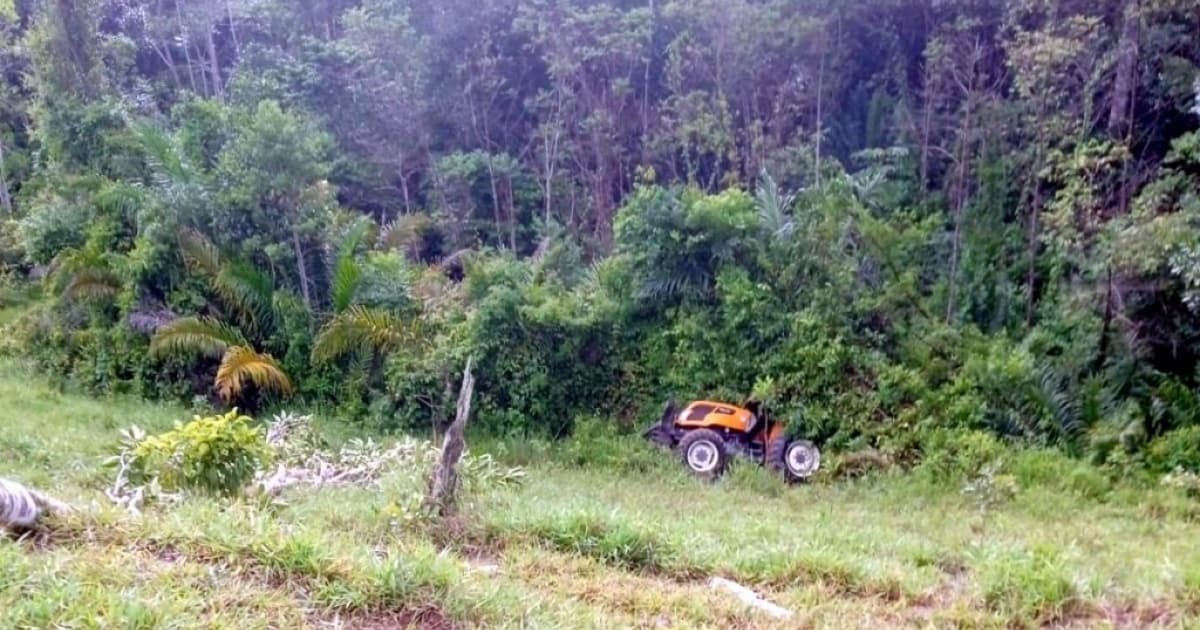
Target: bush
[(597, 443), (1177, 449), (52, 225), (958, 454), (1051, 468), (217, 454)]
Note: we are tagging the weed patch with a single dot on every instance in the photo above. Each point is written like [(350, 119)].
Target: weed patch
[(1033, 586), (610, 540)]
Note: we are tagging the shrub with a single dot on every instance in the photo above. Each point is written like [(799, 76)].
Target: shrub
[(958, 454), (1051, 468), (860, 463), (217, 454), (596, 443), (1177, 449)]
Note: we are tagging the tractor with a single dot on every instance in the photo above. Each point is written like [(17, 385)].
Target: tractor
[(707, 434)]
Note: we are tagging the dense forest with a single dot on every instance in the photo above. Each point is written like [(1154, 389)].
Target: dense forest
[(896, 222)]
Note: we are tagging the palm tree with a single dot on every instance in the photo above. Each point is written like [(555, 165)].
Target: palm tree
[(249, 296), (356, 328)]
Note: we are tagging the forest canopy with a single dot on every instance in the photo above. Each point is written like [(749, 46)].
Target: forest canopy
[(892, 221)]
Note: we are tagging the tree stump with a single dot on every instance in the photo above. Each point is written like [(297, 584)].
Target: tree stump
[(443, 482)]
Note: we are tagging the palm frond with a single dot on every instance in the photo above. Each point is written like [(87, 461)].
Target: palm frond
[(199, 253), (93, 284), (405, 232), (346, 271), (118, 199), (360, 327), (241, 364), (191, 334), (346, 276), (1055, 399), (355, 236), (773, 206), (161, 153), (246, 290)]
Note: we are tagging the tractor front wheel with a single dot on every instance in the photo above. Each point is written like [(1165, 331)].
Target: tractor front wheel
[(704, 453)]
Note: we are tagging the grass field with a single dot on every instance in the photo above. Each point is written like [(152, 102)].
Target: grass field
[(586, 547)]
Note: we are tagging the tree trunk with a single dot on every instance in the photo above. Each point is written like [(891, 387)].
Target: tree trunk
[(5, 197), (214, 66), (443, 482), (1031, 252), (960, 205), (1127, 57), (301, 269), (1106, 325), (237, 46), (495, 200), (187, 53), (817, 131), (1124, 84)]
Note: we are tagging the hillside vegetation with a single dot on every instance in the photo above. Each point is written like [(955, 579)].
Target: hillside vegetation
[(955, 244), (887, 221)]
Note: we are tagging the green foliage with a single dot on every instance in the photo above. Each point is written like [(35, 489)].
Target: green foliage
[(1030, 585), (960, 454), (612, 540), (1178, 449), (609, 205), (216, 454), (53, 225), (598, 443), (676, 239)]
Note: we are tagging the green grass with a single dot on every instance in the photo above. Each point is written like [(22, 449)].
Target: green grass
[(589, 541)]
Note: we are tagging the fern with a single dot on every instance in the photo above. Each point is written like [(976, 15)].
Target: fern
[(360, 327), (242, 364), (190, 334)]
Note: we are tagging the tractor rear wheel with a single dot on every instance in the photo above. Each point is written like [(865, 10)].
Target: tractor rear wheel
[(797, 460), (704, 453)]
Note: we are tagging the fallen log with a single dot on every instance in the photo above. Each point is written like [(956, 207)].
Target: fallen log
[(750, 598), (23, 508)]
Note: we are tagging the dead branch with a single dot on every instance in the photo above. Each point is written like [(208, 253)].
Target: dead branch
[(23, 508), (444, 481), (750, 598)]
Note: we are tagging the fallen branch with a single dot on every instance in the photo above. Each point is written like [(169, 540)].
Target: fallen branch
[(750, 598), (23, 508)]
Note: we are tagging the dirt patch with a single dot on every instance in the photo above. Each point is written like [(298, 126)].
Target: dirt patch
[(429, 618), (1153, 614)]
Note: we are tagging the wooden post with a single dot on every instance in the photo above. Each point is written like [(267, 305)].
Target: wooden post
[(444, 480)]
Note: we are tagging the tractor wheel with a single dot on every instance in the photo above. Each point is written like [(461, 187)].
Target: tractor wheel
[(703, 452), (800, 460)]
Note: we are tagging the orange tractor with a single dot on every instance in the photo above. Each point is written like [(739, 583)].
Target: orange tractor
[(707, 434)]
